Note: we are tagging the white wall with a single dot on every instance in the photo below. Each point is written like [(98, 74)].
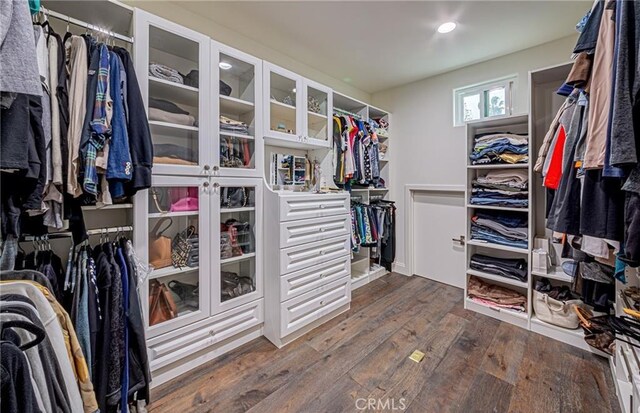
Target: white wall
[(425, 147), (175, 13)]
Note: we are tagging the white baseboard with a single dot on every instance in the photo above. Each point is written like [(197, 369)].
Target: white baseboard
[(401, 268)]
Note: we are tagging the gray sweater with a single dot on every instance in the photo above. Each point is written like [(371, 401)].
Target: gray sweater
[(18, 64)]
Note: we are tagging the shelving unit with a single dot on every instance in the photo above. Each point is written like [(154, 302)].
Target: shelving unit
[(514, 124), (363, 270)]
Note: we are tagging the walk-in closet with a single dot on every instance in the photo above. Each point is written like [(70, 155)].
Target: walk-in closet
[(315, 206)]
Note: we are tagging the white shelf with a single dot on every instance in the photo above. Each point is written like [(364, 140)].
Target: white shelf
[(520, 319), (497, 208), (232, 210), (369, 189), (498, 246), (498, 278), (173, 214), (236, 135), (565, 335), (106, 207), (239, 258), (172, 125), (359, 260), (359, 278), (171, 270), (500, 166), (318, 116), (235, 106), (555, 274), (173, 92), (282, 111)]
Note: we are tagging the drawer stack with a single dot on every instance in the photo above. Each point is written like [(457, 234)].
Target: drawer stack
[(308, 271)]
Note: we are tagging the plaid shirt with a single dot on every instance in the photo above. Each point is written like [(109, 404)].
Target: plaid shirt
[(99, 124)]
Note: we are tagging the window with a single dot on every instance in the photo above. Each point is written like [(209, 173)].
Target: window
[(484, 100)]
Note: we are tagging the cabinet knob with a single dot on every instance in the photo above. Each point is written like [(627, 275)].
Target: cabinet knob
[(321, 252), (216, 185), (216, 168), (321, 230), (212, 333), (205, 184), (321, 275), (207, 167), (322, 302), (322, 206)]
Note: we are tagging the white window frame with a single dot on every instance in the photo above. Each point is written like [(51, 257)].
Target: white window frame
[(508, 82)]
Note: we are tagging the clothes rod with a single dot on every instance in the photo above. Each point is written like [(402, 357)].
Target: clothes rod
[(67, 234), (86, 25), (346, 112)]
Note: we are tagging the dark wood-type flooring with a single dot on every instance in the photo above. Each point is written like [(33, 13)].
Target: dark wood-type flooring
[(473, 363)]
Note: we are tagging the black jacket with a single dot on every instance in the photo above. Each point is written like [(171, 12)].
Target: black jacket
[(140, 143)]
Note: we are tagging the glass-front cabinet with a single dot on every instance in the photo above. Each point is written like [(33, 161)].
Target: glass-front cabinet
[(176, 241), (172, 63), (297, 110), (238, 207), (237, 96), (319, 119)]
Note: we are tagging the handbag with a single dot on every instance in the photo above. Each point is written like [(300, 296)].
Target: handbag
[(180, 199), (233, 197), (225, 89), (556, 312), (160, 246), (226, 250), (181, 248), (187, 293), (162, 307)]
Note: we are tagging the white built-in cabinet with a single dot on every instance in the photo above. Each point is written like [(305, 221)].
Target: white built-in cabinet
[(297, 111), (207, 188)]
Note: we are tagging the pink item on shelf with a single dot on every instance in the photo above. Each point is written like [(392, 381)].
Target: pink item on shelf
[(185, 204)]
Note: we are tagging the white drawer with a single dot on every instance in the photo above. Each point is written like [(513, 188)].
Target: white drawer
[(171, 347), (310, 230), (308, 307), (300, 282), (312, 206), (306, 255)]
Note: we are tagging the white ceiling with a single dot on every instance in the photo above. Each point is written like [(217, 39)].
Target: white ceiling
[(375, 45)]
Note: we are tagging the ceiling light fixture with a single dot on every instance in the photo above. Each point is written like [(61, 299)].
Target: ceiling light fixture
[(446, 27), (293, 90), (225, 65)]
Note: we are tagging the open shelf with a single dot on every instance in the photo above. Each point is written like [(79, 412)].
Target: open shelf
[(500, 166), (555, 274), (491, 245), (173, 92), (106, 207), (520, 319), (498, 208), (498, 278)]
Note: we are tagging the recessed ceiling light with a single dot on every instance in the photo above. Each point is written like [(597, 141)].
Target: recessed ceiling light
[(446, 27), (293, 90), (225, 65)]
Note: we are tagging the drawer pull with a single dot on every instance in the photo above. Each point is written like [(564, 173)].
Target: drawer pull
[(322, 302), (321, 252), (322, 206), (321, 230), (321, 275), (212, 333)]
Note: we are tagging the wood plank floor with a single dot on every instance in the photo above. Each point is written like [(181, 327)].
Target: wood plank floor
[(473, 363)]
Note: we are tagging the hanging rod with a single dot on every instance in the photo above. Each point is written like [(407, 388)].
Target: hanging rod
[(346, 112), (86, 25), (67, 234)]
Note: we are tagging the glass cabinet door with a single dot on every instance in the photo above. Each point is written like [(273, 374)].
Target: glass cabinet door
[(283, 99), (172, 63), (239, 79), (239, 205), (178, 245), (318, 115)]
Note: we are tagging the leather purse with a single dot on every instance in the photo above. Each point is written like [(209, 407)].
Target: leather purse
[(160, 245), (162, 307), (556, 312), (226, 250), (233, 197)]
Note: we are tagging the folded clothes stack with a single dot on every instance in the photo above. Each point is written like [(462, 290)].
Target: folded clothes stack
[(232, 125), (163, 72), (495, 295), (168, 153), (514, 268), (501, 188), (500, 228), (165, 111), (500, 148)]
